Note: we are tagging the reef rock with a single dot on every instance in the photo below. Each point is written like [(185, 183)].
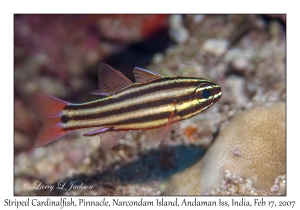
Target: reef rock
[(252, 145)]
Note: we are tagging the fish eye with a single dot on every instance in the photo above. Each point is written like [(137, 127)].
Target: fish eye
[(206, 93)]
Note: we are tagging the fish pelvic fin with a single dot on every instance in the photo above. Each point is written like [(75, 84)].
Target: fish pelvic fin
[(110, 138), (49, 110)]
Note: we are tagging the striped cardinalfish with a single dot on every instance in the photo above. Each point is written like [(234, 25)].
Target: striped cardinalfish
[(154, 105)]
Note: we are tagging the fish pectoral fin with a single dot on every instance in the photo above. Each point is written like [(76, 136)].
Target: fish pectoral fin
[(97, 132), (110, 80), (110, 138), (175, 125), (144, 75), (173, 122), (157, 134)]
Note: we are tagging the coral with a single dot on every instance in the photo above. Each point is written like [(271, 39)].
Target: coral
[(233, 184), (252, 146)]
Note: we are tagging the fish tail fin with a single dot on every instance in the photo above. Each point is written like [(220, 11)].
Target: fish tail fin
[(49, 110)]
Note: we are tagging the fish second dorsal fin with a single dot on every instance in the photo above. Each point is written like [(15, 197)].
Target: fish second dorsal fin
[(110, 80), (144, 75)]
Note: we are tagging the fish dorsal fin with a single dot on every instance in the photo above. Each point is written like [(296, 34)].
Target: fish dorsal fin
[(143, 75), (110, 80)]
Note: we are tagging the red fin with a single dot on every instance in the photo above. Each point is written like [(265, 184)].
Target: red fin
[(48, 109)]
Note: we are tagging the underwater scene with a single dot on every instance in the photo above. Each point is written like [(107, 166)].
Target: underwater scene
[(184, 104)]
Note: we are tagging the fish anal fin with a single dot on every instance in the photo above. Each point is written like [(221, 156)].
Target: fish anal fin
[(157, 134), (110, 80), (144, 75), (49, 110), (110, 138)]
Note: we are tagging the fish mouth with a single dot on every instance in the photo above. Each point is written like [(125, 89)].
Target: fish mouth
[(217, 94)]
